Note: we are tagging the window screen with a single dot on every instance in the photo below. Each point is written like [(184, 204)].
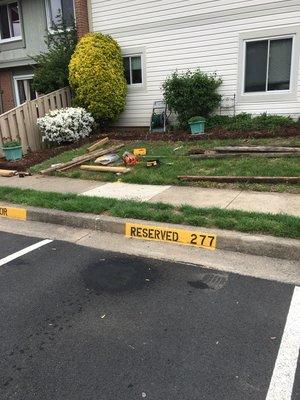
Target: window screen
[(126, 63), (61, 9), (133, 69), (280, 64), (268, 65), (256, 66), (10, 25)]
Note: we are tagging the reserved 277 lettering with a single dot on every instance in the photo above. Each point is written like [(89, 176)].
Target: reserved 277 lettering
[(179, 236)]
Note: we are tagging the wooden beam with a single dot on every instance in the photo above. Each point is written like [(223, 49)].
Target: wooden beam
[(81, 159), (257, 149), (242, 179), (99, 168), (97, 144), (7, 172), (233, 155)]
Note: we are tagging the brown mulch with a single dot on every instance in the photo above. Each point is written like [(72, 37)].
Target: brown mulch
[(217, 133), (125, 134), (37, 157)]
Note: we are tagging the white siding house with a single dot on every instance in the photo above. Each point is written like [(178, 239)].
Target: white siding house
[(254, 45)]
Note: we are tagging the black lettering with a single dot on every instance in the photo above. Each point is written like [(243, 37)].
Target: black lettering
[(194, 239), (132, 231), (212, 240), (139, 232), (151, 233), (163, 234), (145, 232), (3, 211), (175, 237), (203, 238), (156, 234), (169, 236)]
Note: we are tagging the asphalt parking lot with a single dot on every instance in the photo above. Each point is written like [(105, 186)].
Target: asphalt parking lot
[(78, 323)]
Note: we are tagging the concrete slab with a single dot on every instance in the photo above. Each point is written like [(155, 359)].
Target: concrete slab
[(127, 191), (50, 183), (275, 203), (197, 197)]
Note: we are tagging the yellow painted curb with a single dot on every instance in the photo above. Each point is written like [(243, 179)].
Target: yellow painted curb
[(14, 213), (171, 235)]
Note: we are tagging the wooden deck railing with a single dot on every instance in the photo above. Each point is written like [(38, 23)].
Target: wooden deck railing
[(20, 122)]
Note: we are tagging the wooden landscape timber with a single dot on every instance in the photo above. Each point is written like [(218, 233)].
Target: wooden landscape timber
[(98, 168), (257, 149), (241, 179), (81, 159), (97, 144), (233, 155), (7, 173)]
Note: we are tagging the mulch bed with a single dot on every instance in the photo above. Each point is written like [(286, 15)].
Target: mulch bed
[(217, 133), (126, 134), (37, 157)]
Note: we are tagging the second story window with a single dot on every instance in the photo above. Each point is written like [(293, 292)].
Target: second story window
[(10, 24), (60, 10)]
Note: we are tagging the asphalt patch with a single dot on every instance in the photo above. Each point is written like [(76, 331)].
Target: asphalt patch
[(114, 277)]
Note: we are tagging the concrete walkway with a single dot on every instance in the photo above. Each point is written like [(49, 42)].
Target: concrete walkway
[(265, 202)]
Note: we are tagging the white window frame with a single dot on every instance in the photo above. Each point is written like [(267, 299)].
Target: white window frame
[(48, 14), (17, 78), (130, 69), (136, 52), (269, 95), (267, 66), (14, 38)]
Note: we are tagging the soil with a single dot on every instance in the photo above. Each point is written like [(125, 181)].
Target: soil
[(217, 133), (125, 134), (38, 156)]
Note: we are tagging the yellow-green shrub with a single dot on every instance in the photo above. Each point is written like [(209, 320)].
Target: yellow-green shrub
[(96, 75)]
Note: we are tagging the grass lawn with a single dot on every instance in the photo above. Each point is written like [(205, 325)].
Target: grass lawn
[(175, 163), (251, 222)]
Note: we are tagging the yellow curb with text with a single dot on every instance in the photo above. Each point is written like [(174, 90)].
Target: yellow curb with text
[(11, 212), (171, 235)]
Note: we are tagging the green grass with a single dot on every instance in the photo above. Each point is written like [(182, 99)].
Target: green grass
[(251, 222), (176, 163)]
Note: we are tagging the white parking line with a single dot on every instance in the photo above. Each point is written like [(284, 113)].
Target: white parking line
[(20, 253), (282, 382)]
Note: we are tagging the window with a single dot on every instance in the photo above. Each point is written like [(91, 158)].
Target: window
[(268, 65), (23, 89), (58, 10), (133, 69), (10, 24)]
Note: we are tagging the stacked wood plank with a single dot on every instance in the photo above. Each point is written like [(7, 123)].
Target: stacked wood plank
[(248, 151), (81, 159)]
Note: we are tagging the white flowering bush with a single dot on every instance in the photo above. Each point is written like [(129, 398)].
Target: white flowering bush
[(66, 125)]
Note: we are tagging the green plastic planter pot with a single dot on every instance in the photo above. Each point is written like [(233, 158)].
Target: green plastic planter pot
[(197, 126), (12, 153)]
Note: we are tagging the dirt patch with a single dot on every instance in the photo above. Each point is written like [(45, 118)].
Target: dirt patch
[(217, 133), (38, 156)]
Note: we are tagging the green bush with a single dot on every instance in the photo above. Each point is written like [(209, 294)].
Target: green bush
[(97, 77), (192, 93), (246, 122), (52, 69)]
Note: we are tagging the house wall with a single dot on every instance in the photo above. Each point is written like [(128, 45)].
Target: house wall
[(176, 34), (33, 18), (6, 88), (82, 17)]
